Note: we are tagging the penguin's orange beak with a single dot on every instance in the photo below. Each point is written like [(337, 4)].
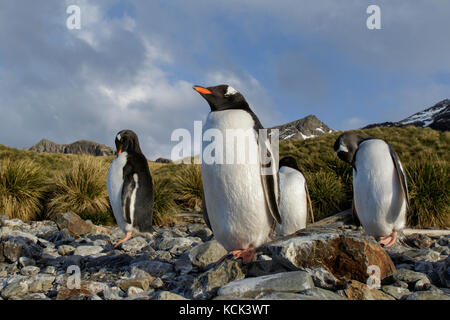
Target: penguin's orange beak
[(119, 151), (201, 90)]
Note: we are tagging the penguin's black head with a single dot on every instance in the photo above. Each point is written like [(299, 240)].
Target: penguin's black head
[(289, 162), (127, 141), (222, 97), (347, 144)]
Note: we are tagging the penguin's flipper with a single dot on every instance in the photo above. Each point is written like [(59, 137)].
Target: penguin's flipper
[(270, 181), (204, 211), (309, 208), (129, 197), (137, 204), (400, 174)]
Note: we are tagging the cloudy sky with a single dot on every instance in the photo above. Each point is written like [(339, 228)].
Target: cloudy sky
[(133, 63)]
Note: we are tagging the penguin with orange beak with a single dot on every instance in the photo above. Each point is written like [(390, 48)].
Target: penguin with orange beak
[(130, 187), (240, 197)]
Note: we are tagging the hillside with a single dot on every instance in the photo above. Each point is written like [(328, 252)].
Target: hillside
[(411, 143), (78, 147)]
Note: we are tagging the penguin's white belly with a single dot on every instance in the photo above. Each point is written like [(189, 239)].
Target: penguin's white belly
[(115, 184), (378, 197), (234, 194), (293, 204)]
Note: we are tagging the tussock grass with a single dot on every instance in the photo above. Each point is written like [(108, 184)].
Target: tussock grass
[(22, 189), (81, 189), (327, 193), (429, 185), (164, 207), (189, 187)]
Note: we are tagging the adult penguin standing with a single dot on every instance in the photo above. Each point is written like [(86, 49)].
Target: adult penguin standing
[(241, 198), (130, 186), (295, 202), (380, 193)]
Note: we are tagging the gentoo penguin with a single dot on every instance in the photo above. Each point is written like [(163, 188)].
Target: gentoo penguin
[(241, 197), (294, 198), (130, 186), (380, 193)]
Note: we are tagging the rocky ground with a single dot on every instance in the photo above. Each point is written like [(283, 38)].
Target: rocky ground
[(325, 261)]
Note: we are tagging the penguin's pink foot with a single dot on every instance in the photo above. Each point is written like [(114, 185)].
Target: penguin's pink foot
[(246, 254), (388, 241), (126, 238)]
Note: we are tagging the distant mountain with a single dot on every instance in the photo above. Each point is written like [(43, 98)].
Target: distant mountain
[(78, 147), (305, 128), (436, 117)]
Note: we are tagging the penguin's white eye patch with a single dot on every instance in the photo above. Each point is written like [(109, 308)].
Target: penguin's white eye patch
[(119, 137), (342, 148), (230, 91)]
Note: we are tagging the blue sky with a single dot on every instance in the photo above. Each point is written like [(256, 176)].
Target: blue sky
[(133, 62)]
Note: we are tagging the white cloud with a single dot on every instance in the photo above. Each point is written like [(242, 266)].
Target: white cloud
[(123, 72)]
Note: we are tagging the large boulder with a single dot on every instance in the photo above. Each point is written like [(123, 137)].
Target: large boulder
[(345, 255)]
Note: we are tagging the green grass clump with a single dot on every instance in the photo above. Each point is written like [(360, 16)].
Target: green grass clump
[(22, 189), (429, 185), (189, 187), (164, 206), (82, 189), (327, 193)]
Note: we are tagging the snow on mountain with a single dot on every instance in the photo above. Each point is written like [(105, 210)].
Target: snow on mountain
[(436, 117), (305, 128)]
